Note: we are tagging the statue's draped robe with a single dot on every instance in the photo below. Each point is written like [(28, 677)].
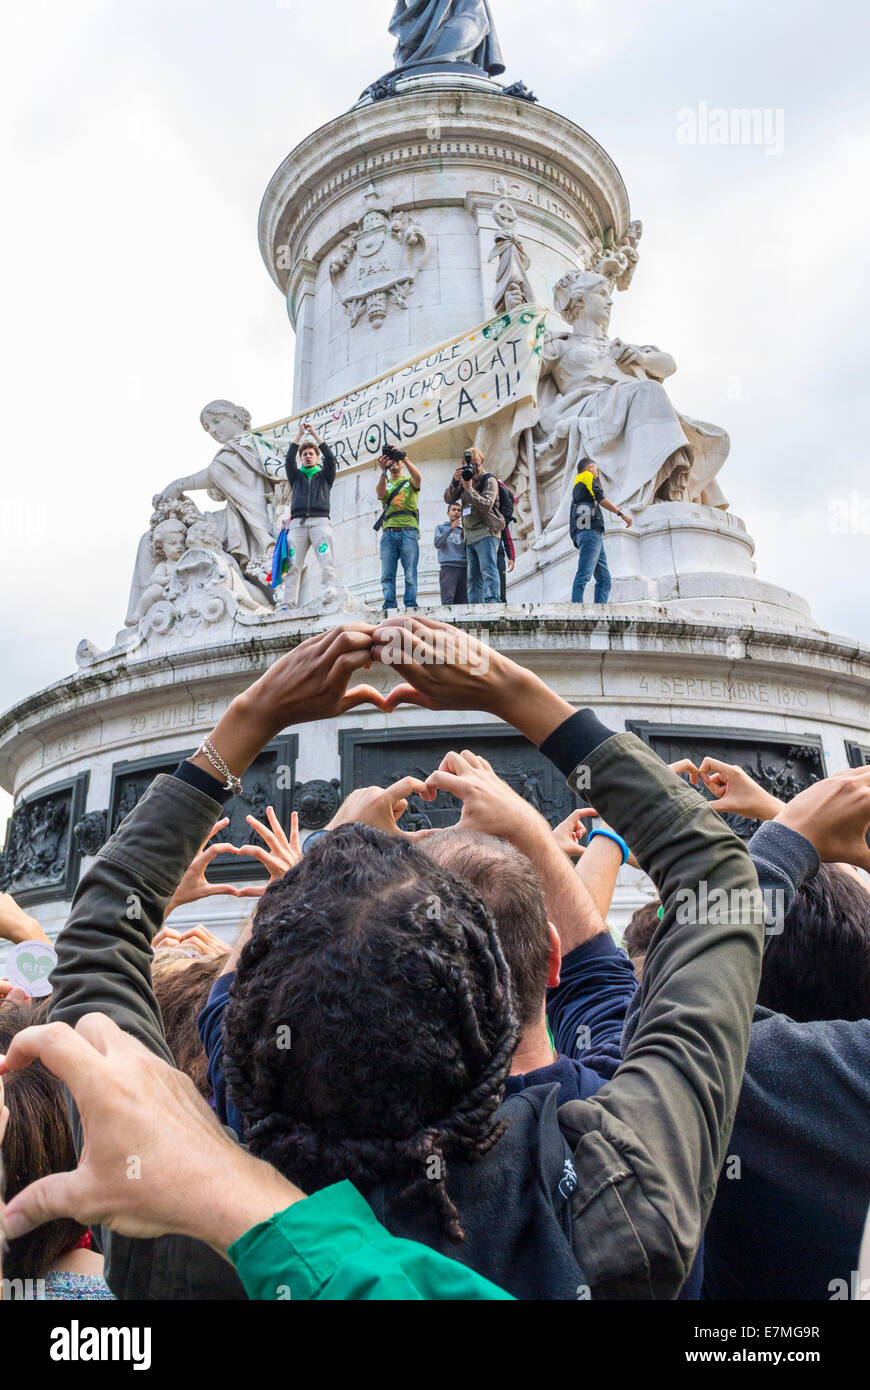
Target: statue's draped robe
[(446, 31), (625, 422), (238, 478)]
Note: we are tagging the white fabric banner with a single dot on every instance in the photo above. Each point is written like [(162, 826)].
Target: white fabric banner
[(464, 381)]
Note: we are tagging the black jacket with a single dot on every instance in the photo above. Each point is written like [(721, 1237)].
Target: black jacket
[(514, 1205), (310, 495)]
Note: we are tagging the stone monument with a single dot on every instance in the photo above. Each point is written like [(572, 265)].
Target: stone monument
[(440, 199)]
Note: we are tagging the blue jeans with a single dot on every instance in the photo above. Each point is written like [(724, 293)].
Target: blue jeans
[(592, 559), (484, 585), (400, 543)]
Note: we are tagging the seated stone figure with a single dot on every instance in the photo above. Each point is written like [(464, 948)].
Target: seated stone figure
[(603, 399), (237, 477)]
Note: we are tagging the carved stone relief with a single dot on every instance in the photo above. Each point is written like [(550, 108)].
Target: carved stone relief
[(779, 766), (267, 782), (41, 857), (369, 759), (375, 266)]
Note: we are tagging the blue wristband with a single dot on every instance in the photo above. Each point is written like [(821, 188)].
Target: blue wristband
[(617, 840), (312, 839)]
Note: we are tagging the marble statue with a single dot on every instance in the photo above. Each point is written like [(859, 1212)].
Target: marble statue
[(184, 572), (238, 478), (512, 287), (446, 31), (603, 399), (204, 586), (618, 262), (168, 541)]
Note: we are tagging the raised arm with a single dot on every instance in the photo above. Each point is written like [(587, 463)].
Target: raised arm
[(648, 1148)]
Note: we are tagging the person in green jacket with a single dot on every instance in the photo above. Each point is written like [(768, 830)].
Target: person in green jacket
[(193, 1179)]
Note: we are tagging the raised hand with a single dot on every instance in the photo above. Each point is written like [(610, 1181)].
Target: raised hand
[(382, 807), (311, 682), (11, 994), (191, 1178), (489, 805), (834, 815), (280, 854), (195, 885), (569, 836), (198, 939), (734, 791), (446, 668)]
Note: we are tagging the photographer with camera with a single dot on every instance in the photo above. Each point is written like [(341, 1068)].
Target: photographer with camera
[(482, 522), (311, 473), (400, 523)]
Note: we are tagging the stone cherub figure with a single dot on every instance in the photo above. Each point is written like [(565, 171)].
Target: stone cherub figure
[(183, 568), (168, 541), (603, 399)]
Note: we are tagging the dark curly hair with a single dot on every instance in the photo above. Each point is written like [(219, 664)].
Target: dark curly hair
[(385, 976), (818, 965)]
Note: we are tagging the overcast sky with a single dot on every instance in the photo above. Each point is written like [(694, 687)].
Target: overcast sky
[(139, 138)]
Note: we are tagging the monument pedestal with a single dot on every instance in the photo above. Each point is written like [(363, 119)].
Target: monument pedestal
[(690, 560)]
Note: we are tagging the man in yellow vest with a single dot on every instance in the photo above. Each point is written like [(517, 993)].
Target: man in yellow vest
[(587, 532)]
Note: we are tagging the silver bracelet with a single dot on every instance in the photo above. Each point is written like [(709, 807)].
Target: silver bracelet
[(208, 751)]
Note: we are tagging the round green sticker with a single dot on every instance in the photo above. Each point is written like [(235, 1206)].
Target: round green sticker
[(323, 547)]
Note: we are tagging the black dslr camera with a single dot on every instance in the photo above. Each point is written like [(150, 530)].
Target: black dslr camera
[(468, 470), (395, 455)]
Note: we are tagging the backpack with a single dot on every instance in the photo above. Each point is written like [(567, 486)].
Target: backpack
[(499, 514), (507, 503)]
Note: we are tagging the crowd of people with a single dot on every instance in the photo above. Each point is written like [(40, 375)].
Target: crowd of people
[(475, 547), (428, 1069)]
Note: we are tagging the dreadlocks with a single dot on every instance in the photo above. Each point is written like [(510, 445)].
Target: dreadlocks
[(371, 1024)]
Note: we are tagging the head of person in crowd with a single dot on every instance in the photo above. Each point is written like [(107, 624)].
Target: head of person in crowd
[(818, 966), (37, 1141), (182, 983), (371, 1023), (506, 881), (454, 513), (639, 933)]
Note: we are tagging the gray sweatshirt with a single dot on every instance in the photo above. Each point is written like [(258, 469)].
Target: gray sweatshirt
[(450, 544)]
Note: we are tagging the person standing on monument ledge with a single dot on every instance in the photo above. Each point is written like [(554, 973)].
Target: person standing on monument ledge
[(400, 521), (477, 493), (587, 532), (311, 475)]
